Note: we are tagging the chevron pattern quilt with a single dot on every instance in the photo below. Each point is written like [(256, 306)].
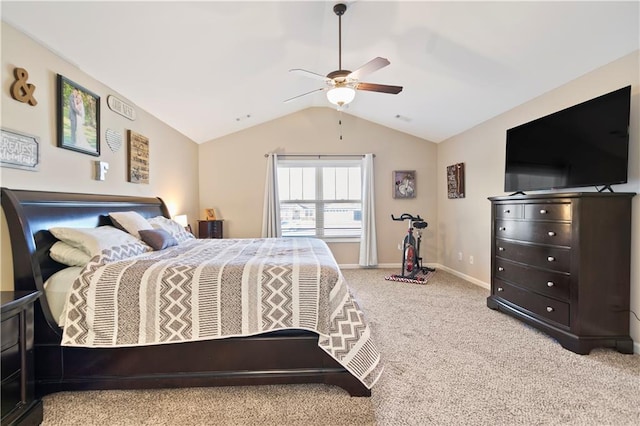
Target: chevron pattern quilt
[(210, 289)]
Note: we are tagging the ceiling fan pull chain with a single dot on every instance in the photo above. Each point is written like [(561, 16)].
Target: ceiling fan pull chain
[(340, 41), (340, 123)]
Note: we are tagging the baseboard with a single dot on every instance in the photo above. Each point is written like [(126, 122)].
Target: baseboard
[(464, 276), (379, 266), (636, 347)]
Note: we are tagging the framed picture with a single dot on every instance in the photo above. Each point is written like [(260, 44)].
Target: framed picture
[(210, 214), (138, 158), (455, 181), (78, 118), (404, 184)]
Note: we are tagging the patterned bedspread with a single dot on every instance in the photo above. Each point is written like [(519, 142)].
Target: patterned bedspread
[(209, 289)]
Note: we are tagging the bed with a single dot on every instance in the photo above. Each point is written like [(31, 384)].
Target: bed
[(276, 355)]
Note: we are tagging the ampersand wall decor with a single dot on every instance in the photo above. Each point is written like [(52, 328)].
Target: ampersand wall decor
[(21, 90)]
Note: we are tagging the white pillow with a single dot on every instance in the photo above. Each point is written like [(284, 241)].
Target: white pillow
[(94, 240), (56, 289), (132, 222), (176, 230), (68, 255)]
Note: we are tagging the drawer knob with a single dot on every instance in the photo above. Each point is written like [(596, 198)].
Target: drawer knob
[(500, 248), (502, 228), (543, 211), (551, 259), (507, 211), (551, 234), (500, 289), (500, 268), (550, 309), (550, 284)]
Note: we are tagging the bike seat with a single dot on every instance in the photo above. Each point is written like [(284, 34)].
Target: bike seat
[(420, 225)]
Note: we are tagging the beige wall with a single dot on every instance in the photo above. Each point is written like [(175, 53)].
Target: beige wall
[(233, 168), (173, 156), (464, 224)]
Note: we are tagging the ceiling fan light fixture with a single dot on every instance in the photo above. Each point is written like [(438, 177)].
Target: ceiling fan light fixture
[(341, 96)]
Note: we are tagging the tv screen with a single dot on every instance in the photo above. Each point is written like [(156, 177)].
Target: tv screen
[(583, 145)]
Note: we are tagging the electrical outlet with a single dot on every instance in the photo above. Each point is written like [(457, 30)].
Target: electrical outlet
[(459, 255), (471, 260), (400, 246)]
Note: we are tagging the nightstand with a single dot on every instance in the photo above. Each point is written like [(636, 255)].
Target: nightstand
[(210, 229), (19, 405)]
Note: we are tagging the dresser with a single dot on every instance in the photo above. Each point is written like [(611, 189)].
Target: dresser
[(210, 229), (19, 405), (561, 263)]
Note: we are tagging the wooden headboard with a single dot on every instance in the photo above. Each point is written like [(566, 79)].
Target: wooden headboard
[(30, 215)]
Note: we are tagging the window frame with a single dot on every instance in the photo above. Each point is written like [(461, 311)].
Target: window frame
[(318, 164)]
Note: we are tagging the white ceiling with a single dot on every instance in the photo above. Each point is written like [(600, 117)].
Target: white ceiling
[(213, 68)]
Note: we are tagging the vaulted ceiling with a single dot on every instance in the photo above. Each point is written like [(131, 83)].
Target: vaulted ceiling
[(209, 69)]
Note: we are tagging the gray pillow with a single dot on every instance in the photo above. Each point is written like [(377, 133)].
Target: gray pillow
[(159, 239)]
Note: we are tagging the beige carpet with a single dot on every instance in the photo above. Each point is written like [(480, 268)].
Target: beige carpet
[(449, 361)]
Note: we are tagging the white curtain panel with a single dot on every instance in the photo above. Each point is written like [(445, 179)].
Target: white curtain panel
[(271, 227), (368, 245)]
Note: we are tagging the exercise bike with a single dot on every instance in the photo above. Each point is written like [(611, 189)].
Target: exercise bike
[(411, 260)]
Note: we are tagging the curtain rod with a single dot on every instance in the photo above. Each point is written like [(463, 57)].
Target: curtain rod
[(320, 155)]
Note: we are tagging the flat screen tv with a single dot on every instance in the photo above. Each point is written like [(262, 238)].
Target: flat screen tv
[(583, 145)]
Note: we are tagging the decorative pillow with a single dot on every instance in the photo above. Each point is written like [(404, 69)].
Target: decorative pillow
[(172, 227), (158, 239), (68, 255), (131, 222), (93, 241)]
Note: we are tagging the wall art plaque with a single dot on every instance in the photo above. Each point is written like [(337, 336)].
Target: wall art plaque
[(19, 150), (138, 158)]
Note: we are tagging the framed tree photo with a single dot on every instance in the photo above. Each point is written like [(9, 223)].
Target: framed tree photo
[(404, 184), (78, 118)]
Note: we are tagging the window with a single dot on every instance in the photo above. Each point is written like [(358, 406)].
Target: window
[(321, 198)]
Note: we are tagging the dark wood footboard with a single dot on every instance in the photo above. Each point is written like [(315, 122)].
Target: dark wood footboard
[(274, 358)]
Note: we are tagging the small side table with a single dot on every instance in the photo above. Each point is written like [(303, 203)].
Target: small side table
[(19, 405), (210, 229)]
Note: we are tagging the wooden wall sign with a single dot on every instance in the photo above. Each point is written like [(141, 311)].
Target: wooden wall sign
[(121, 107), (138, 158), (21, 90), (455, 181)]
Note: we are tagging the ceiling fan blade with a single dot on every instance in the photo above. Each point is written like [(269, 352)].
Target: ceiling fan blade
[(305, 94), (309, 74), (383, 88), (371, 66)]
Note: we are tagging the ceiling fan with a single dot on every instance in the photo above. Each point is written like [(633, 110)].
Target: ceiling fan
[(342, 84)]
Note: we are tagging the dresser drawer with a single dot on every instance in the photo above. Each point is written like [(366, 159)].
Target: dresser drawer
[(509, 211), (544, 307), (10, 360), (554, 233), (10, 331), (548, 211), (11, 398), (548, 283), (554, 258), (210, 229)]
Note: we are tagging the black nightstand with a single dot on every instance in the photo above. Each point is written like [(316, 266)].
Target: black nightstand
[(19, 405), (210, 229)]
